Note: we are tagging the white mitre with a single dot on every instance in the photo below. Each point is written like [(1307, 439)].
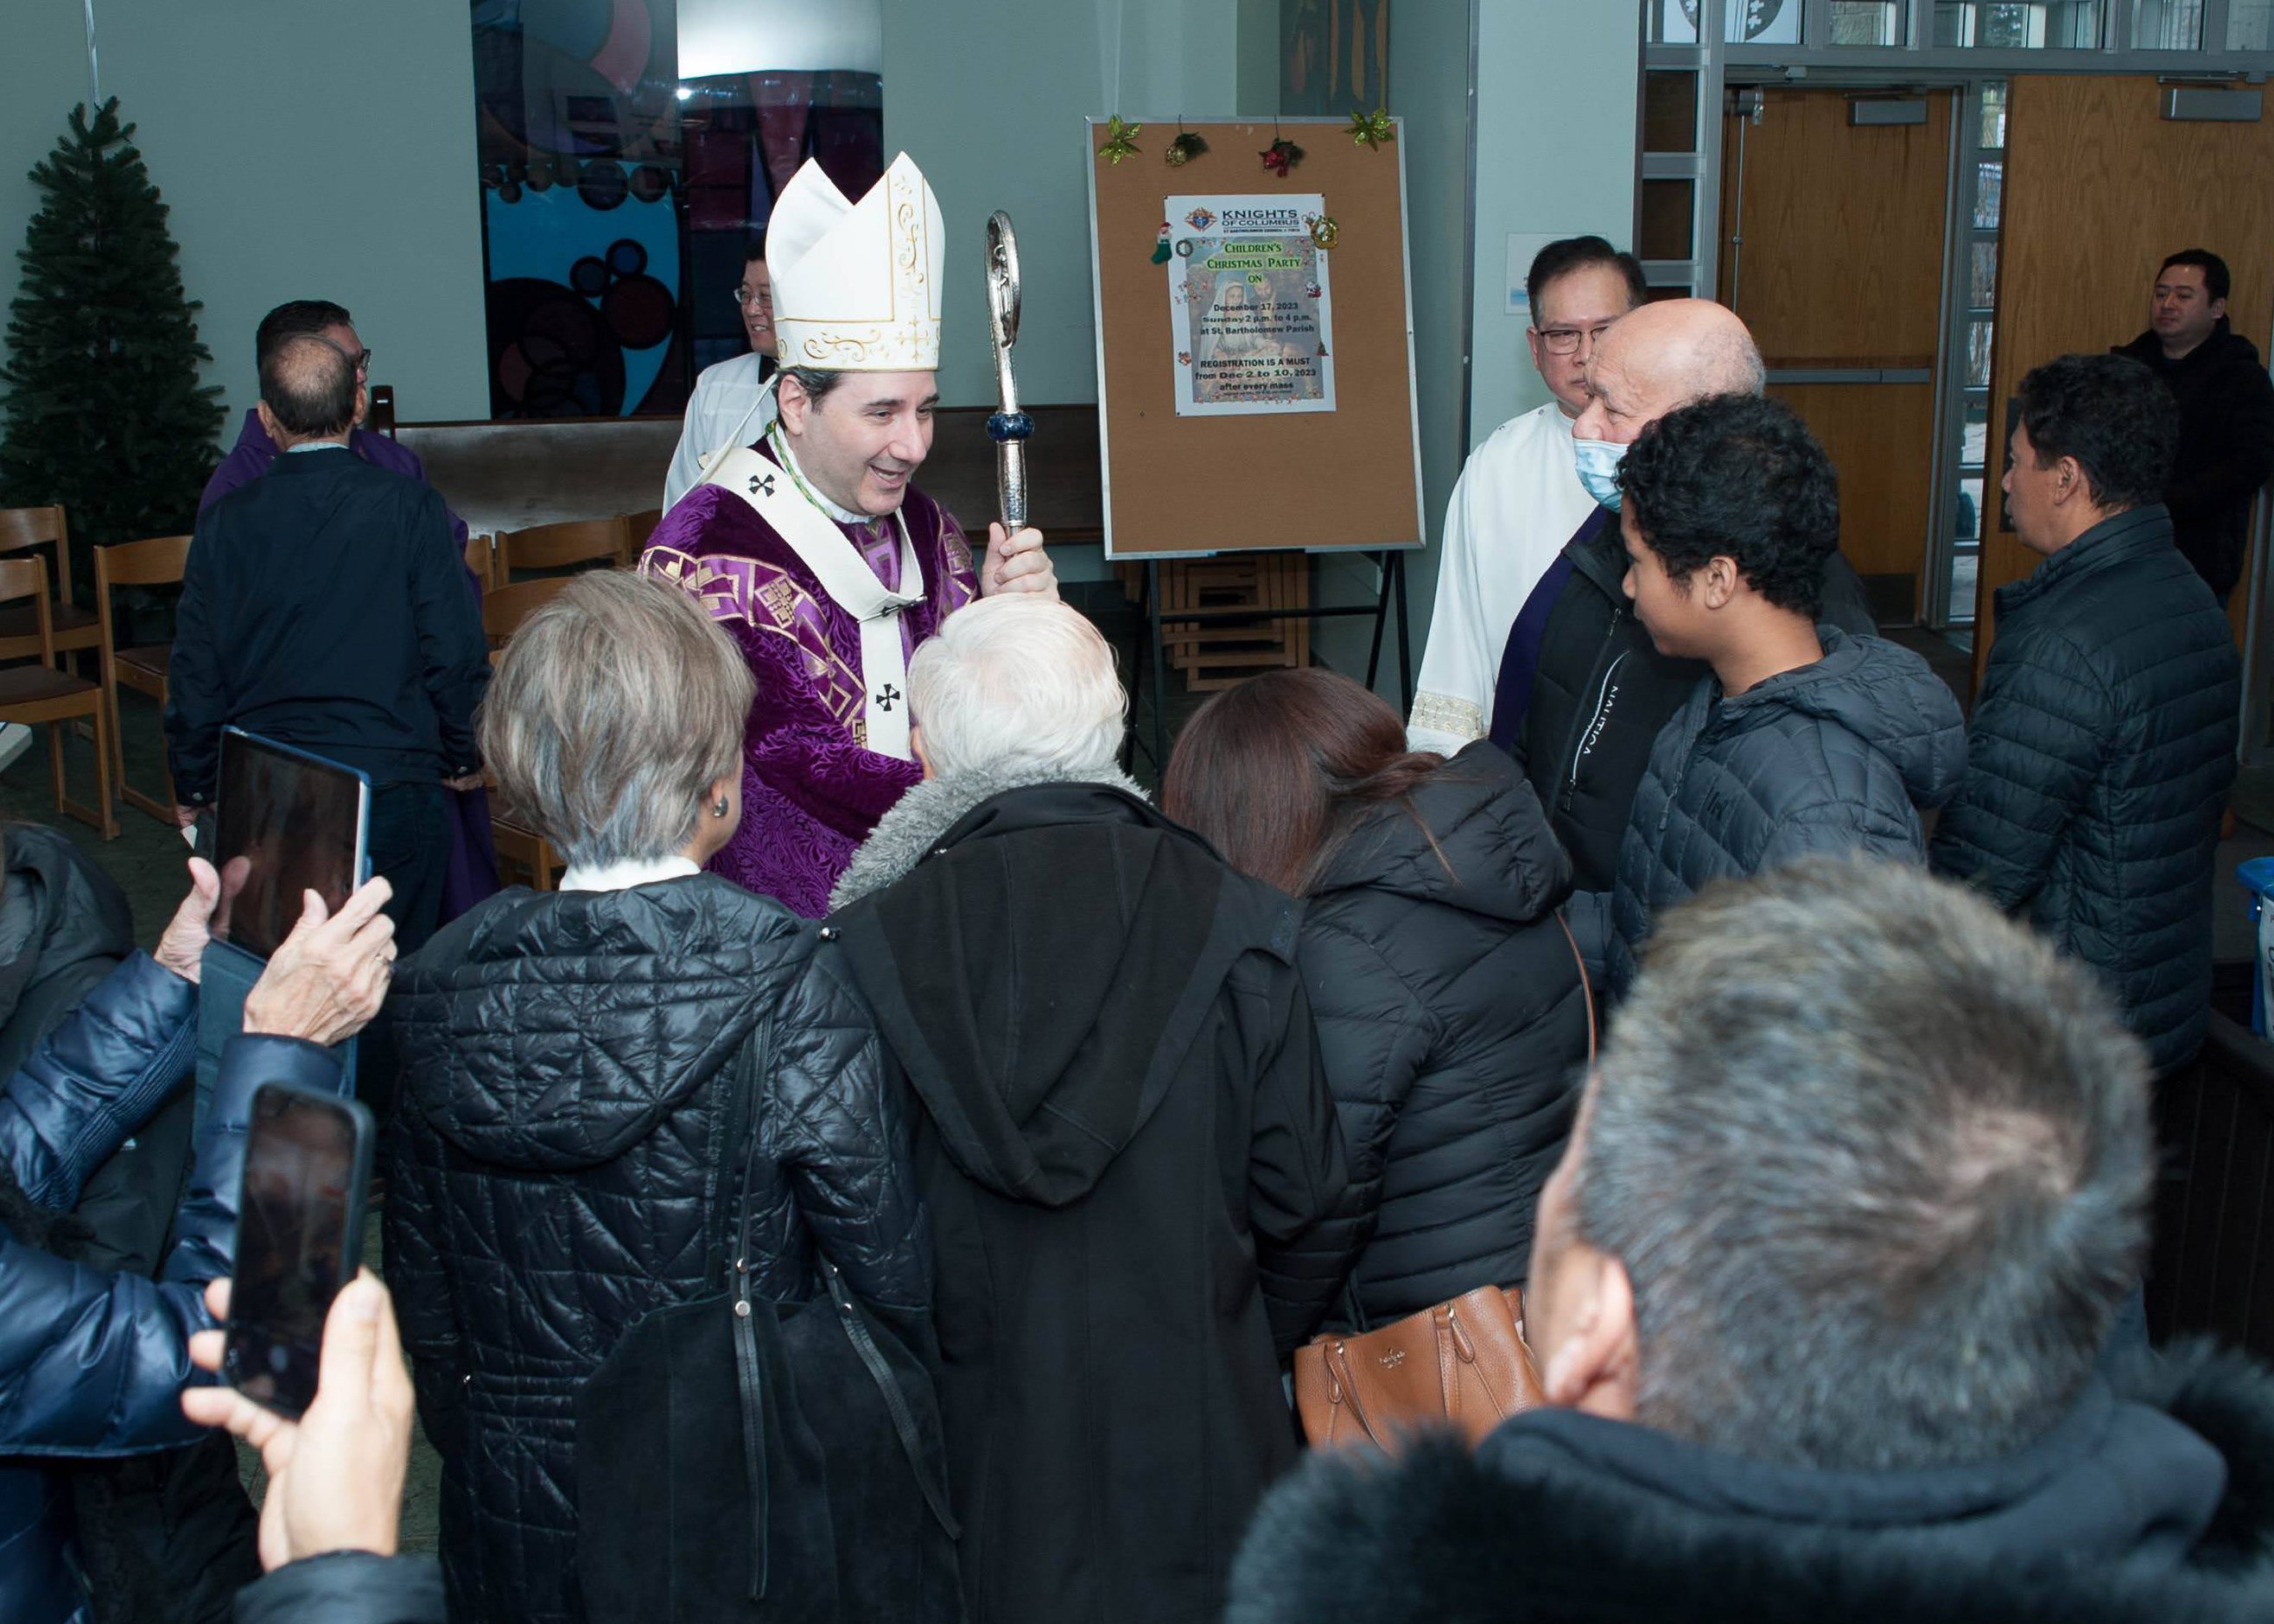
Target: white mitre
[(856, 285)]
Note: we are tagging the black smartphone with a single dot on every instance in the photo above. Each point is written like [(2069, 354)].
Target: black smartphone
[(300, 1238)]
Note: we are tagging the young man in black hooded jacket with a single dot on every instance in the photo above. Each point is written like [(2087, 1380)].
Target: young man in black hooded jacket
[(1820, 1294)]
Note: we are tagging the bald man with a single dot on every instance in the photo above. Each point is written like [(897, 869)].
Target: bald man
[(325, 605), (1582, 691)]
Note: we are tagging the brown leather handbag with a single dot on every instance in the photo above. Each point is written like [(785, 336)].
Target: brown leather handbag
[(1463, 1363)]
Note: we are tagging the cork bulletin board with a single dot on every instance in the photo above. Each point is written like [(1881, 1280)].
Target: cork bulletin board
[(1312, 480)]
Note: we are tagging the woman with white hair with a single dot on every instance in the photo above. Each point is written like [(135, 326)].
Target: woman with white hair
[(567, 1154), (1128, 1150)]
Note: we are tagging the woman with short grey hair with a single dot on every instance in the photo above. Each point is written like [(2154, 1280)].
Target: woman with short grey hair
[(567, 1154)]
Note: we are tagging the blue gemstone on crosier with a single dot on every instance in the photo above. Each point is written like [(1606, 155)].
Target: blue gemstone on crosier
[(1009, 425)]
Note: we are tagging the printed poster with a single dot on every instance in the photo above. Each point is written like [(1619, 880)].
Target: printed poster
[(1251, 313)]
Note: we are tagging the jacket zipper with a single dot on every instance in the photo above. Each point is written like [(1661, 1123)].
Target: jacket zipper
[(1594, 717)]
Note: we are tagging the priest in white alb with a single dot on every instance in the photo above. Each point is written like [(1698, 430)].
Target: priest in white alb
[(733, 401), (813, 549), (1519, 500)]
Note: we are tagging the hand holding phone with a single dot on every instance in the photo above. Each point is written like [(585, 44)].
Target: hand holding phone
[(300, 1234), (335, 1476)]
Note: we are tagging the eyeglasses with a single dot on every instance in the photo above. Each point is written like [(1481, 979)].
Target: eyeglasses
[(1565, 341), (362, 359), (762, 297)]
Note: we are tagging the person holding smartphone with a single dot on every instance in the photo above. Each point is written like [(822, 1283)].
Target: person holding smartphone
[(333, 1510), (90, 1361)]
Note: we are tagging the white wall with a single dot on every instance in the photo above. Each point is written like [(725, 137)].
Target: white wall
[(1555, 156), (306, 148)]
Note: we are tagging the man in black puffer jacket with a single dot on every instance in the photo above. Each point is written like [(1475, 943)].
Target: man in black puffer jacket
[(2227, 413), (2103, 741), (1802, 738), (1583, 692)]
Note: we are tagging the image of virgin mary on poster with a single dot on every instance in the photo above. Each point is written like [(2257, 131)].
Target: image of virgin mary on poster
[(1250, 308)]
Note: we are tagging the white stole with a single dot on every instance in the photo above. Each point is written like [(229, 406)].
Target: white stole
[(836, 562)]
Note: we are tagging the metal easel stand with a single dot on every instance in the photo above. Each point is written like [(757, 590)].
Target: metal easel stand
[(1391, 562)]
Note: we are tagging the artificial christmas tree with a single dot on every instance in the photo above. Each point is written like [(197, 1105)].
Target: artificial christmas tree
[(103, 411)]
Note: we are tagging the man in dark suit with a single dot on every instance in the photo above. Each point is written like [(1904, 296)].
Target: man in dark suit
[(325, 605)]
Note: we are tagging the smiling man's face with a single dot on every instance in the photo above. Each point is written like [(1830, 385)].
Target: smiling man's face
[(862, 443)]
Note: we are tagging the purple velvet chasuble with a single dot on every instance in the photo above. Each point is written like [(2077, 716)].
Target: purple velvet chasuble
[(811, 792)]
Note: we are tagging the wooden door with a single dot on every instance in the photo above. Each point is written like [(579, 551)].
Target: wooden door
[(1832, 250), (2099, 187)]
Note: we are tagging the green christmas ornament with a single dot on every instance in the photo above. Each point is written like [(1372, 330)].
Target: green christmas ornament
[(1372, 129), (1120, 140)]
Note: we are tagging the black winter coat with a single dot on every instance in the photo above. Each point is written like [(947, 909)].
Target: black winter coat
[(559, 1154), (347, 1587), (1133, 1174), (1602, 691), (2101, 752), (2152, 1507), (1453, 1025), (1837, 755), (2226, 446)]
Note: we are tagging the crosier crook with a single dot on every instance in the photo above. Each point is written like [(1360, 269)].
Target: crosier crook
[(1008, 427)]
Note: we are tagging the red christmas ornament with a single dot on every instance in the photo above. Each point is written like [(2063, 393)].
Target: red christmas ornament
[(1282, 155)]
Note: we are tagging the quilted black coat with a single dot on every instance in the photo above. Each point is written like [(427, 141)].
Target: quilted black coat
[(561, 1150), (1453, 1026), (2102, 751), (1834, 756)]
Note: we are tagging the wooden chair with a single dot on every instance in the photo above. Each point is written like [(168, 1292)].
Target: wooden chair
[(76, 629), (556, 546), (40, 693), (639, 526), (520, 848), (481, 558), (156, 563)]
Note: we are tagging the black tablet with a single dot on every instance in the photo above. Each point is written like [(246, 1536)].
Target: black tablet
[(285, 822)]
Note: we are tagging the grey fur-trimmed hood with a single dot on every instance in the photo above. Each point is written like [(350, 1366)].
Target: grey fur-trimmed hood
[(905, 835)]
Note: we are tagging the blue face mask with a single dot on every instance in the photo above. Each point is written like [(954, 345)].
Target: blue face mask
[(1599, 462)]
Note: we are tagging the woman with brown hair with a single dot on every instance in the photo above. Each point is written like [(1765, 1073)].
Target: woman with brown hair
[(1452, 1016)]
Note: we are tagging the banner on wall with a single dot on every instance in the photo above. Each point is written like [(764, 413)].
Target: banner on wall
[(1251, 313)]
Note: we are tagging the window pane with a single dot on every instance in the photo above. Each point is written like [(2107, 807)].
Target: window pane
[(1982, 276), (1673, 22), (2167, 25), (1667, 219), (2250, 25), (1989, 189), (1977, 354), (1976, 451), (1762, 22), (2060, 24), (1669, 111), (1866, 22), (1994, 116), (1969, 514)]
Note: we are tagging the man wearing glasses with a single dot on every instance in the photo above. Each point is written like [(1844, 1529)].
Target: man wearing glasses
[(254, 450), (731, 406), (1519, 499)]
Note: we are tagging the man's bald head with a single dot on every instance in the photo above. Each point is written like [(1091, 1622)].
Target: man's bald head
[(308, 389), (1662, 356)]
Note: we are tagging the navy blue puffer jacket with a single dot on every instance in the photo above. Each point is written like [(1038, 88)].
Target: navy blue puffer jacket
[(1452, 1024), (1833, 757), (2102, 752), (92, 1364)]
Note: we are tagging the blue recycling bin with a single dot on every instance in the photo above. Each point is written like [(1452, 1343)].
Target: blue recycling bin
[(2257, 877)]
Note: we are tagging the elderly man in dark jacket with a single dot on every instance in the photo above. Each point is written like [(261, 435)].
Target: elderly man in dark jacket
[(1820, 1293), (1583, 690), (1126, 1145), (2103, 741), (2227, 413), (1803, 737)]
